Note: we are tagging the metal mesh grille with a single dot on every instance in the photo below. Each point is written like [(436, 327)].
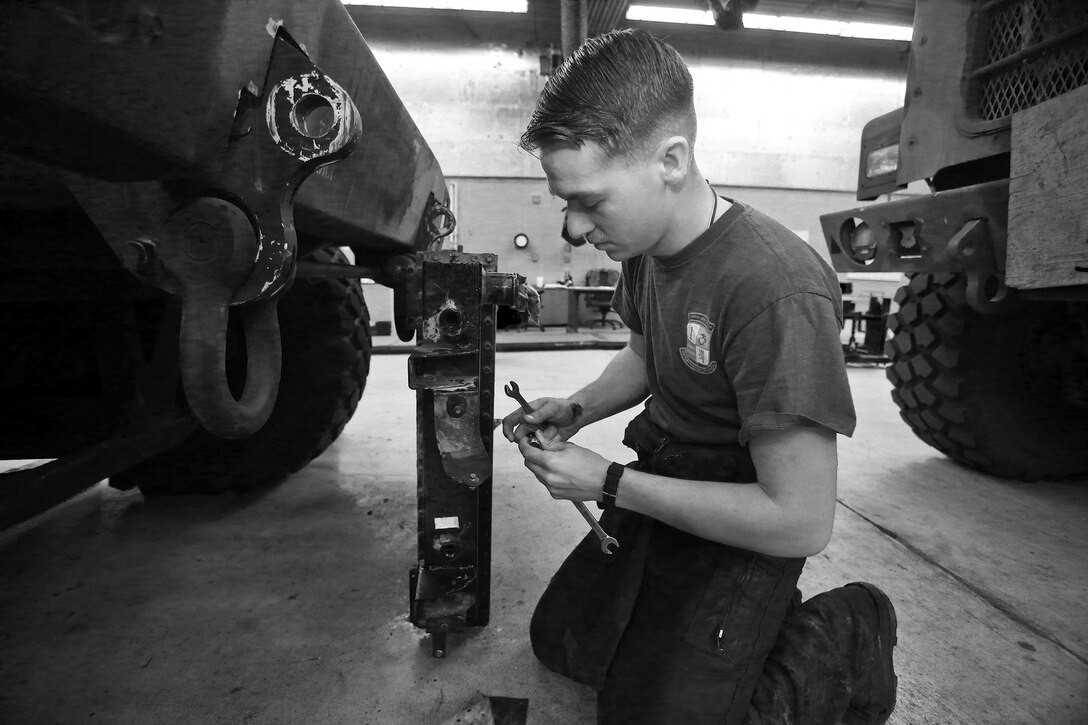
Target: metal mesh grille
[(1020, 28)]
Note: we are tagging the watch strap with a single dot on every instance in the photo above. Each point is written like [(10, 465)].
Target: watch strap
[(611, 485)]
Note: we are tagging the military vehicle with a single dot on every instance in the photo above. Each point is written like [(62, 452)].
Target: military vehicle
[(190, 194), (989, 344)]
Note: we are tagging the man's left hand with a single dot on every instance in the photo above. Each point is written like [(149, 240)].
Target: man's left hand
[(567, 470)]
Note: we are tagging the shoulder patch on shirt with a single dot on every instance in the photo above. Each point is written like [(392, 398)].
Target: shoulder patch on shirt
[(696, 354)]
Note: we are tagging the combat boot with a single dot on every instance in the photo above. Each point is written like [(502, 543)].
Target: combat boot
[(873, 695)]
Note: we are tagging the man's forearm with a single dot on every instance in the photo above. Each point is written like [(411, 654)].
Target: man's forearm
[(735, 514), (789, 512), (621, 385)]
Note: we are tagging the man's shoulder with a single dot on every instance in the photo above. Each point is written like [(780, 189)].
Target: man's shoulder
[(773, 259)]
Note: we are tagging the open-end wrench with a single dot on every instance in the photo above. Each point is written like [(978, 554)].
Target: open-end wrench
[(511, 389), (607, 542)]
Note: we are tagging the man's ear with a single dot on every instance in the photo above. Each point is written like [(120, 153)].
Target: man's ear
[(674, 155)]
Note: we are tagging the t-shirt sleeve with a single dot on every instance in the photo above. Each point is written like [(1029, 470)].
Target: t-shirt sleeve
[(788, 370)]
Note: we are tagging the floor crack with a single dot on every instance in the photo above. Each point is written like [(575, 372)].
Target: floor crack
[(994, 601)]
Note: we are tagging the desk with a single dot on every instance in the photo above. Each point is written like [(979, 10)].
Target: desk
[(573, 293)]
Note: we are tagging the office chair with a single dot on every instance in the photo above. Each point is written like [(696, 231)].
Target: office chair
[(602, 300)]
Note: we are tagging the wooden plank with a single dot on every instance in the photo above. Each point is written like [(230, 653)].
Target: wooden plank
[(1048, 194)]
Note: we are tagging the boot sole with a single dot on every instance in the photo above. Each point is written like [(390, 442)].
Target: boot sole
[(888, 632)]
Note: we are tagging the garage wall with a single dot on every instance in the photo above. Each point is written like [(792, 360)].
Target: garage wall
[(780, 121), (779, 110), (492, 211)]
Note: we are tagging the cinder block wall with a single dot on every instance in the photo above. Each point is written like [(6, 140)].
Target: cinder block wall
[(492, 211), (780, 122)]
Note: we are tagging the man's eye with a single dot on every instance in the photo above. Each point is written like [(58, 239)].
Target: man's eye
[(585, 207)]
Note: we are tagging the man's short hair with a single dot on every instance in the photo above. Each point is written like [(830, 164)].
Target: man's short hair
[(623, 90)]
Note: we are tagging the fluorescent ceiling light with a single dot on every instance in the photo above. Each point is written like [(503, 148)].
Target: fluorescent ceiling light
[(845, 29), (495, 6), (655, 14)]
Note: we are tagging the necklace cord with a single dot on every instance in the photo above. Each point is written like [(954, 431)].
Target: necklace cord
[(713, 213)]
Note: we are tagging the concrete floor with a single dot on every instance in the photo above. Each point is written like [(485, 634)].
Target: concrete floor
[(289, 606)]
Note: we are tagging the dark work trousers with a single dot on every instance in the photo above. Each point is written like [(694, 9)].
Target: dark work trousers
[(673, 628)]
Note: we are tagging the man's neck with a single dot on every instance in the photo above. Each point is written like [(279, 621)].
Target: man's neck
[(693, 214)]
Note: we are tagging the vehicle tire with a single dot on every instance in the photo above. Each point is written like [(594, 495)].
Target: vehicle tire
[(325, 332), (1005, 393)]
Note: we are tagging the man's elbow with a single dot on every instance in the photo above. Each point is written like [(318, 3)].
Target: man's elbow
[(809, 537), (797, 542), (815, 542)]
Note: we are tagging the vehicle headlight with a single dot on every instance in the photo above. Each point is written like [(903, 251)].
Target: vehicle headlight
[(882, 161)]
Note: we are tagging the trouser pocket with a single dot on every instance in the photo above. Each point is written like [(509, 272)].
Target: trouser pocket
[(743, 605)]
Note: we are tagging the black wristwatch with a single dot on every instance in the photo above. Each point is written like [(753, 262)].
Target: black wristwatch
[(611, 486)]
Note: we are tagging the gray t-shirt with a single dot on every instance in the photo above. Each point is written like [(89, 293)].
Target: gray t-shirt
[(742, 333)]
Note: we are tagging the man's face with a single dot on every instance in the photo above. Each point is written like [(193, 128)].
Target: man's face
[(616, 202)]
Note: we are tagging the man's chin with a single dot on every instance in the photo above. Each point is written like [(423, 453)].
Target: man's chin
[(616, 255)]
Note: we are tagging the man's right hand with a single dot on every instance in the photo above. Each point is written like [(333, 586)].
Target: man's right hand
[(552, 419)]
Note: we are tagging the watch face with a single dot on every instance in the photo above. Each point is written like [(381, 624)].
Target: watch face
[(521, 241)]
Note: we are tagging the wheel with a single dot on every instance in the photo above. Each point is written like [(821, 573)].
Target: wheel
[(325, 331), (1005, 393)]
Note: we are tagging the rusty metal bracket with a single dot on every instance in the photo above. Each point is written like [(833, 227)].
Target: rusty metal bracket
[(452, 372), (451, 297)]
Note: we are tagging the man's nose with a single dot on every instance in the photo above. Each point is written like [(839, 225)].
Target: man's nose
[(578, 225)]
